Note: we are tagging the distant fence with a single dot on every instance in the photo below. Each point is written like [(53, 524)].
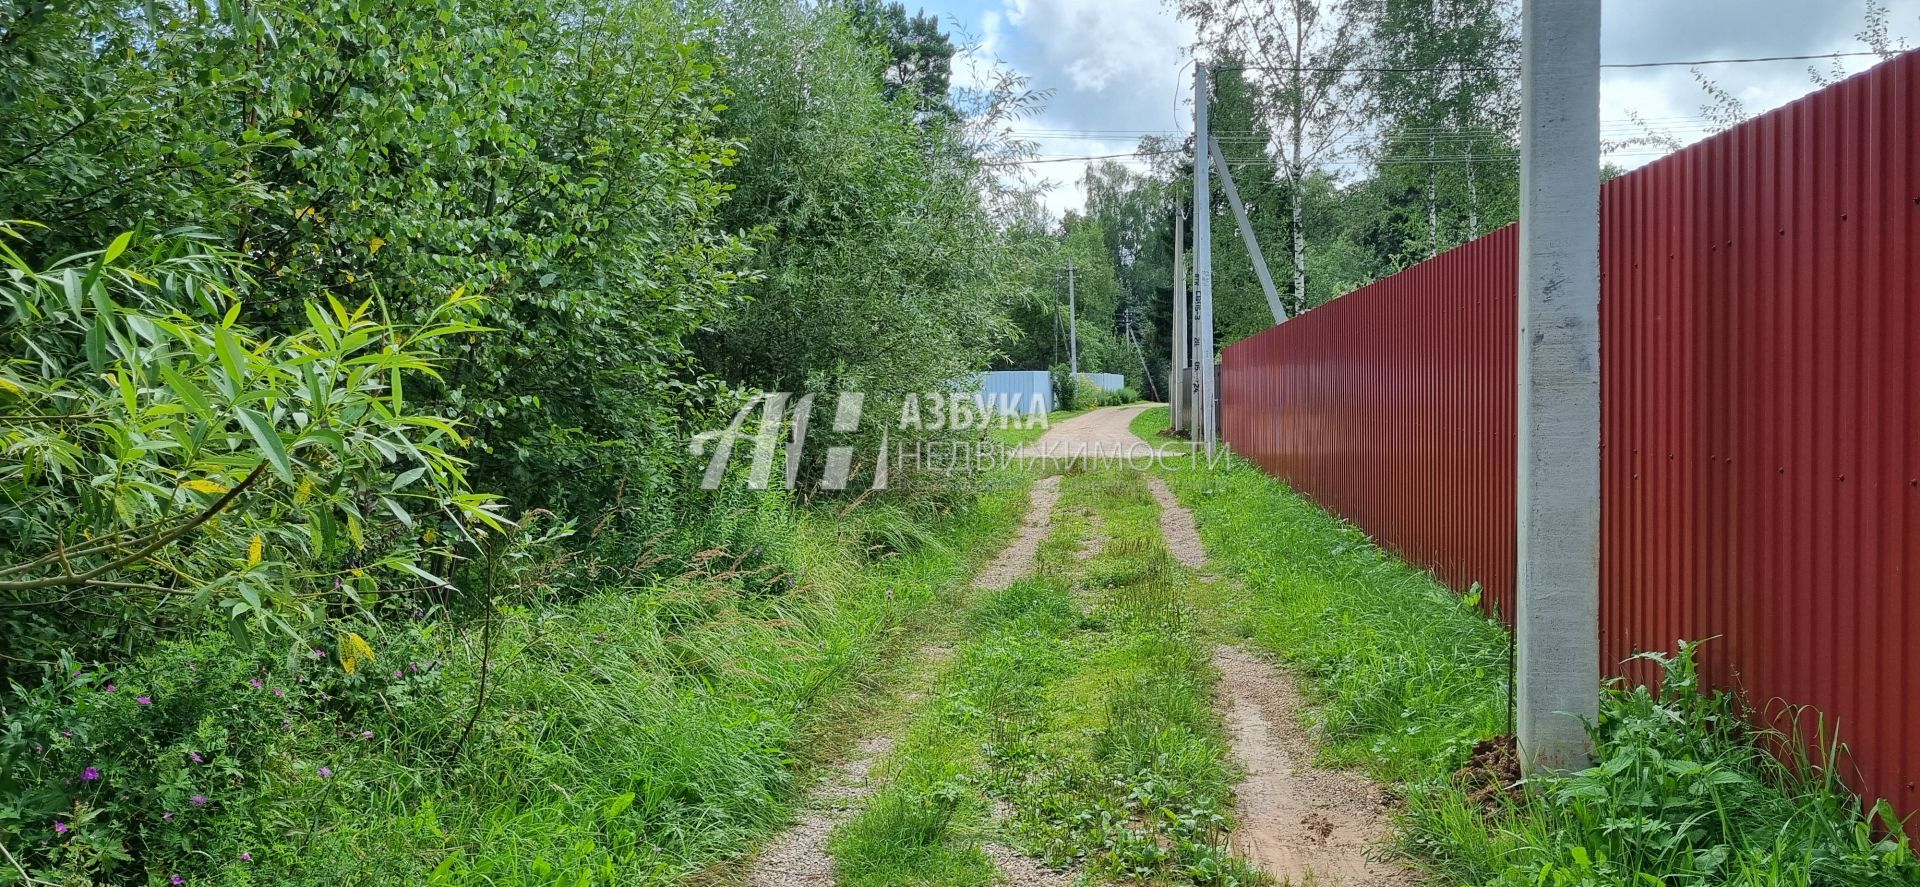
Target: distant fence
[(1105, 381), (1031, 391), (1760, 413), (1021, 392)]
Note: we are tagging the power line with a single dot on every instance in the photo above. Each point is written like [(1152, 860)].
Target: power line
[(1484, 69), (1089, 157), (1771, 58)]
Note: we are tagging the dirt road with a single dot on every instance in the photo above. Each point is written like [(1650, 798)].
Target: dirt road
[(1100, 434)]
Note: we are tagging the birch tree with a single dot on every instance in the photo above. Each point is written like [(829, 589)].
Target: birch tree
[(1447, 86), (1305, 59)]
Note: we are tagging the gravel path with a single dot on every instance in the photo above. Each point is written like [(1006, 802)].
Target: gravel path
[(1017, 559), (1176, 524), (1014, 562), (799, 857)]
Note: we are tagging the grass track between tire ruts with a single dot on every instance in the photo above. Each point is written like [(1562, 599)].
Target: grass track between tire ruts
[(1080, 703)]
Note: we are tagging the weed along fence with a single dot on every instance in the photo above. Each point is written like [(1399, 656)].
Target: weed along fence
[(1760, 400)]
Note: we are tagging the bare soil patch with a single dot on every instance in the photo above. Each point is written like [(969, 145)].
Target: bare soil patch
[(1300, 823), (1492, 774), (1176, 524)]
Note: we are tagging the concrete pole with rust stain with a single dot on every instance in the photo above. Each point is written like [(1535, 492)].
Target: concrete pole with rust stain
[(1556, 616)]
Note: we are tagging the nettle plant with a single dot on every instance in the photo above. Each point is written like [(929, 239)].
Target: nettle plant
[(165, 462)]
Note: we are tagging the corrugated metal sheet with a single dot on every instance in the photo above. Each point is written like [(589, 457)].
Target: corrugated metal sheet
[(1394, 406), (1760, 413), (1024, 392)]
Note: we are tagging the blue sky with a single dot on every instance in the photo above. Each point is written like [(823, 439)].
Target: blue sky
[(1115, 66)]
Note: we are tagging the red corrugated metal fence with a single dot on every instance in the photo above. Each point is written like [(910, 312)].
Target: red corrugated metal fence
[(1760, 348)]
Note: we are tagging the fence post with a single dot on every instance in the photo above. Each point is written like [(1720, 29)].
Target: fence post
[(1556, 614)]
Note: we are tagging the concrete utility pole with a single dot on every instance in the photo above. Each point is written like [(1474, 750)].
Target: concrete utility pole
[(1556, 619), (1073, 328), (1177, 366), (1203, 257)]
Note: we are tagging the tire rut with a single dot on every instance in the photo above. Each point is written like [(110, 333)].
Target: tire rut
[(1300, 823), (798, 857)]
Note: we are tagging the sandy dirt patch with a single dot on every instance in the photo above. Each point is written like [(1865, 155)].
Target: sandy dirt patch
[(1177, 526), (1099, 434), (1300, 823)]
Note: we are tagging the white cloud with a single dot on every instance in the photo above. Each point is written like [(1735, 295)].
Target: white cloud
[(1117, 67)]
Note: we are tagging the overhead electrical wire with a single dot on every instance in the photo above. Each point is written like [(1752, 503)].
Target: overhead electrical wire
[(1483, 69), (1685, 125)]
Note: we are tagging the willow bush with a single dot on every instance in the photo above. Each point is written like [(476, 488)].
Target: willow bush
[(347, 342)]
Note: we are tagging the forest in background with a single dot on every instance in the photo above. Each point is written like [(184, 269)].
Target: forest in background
[(1394, 142)]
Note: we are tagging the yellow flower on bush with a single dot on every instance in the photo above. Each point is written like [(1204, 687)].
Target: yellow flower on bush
[(353, 651), (255, 549)]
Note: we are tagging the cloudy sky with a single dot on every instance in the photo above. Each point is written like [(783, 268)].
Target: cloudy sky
[(1116, 66)]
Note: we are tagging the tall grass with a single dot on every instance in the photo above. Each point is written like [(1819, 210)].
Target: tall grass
[(633, 731)]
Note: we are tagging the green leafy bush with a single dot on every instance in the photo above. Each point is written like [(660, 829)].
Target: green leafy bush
[(1685, 792), (558, 157), (421, 255), (175, 462), (1067, 390)]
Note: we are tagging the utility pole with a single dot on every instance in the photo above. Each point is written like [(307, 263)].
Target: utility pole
[(1556, 617), (1203, 257), (1177, 400), (1073, 327)]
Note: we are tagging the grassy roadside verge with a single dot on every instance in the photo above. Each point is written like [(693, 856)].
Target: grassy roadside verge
[(632, 729), (1406, 678), (1080, 702), (1151, 421), (1015, 437)]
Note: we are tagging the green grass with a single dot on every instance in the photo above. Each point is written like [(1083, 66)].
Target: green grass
[(1014, 437), (1080, 699), (1406, 677), (1151, 421), (632, 733)]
